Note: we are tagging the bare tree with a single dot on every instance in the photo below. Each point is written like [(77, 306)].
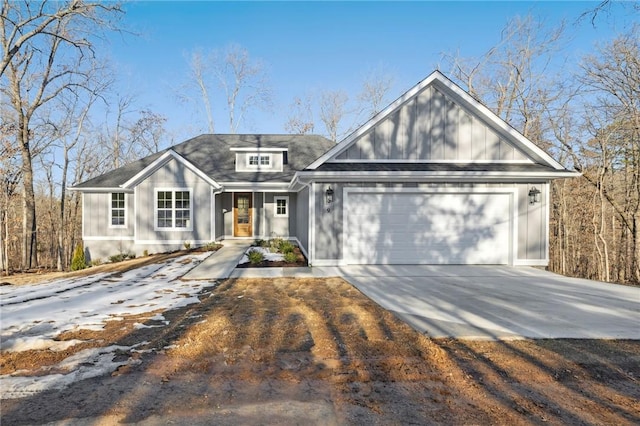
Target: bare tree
[(199, 71), (242, 80), (300, 120), (375, 89), (45, 46), (613, 75), (333, 111), (514, 78)]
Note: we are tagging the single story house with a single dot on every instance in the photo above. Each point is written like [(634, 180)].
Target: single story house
[(435, 178)]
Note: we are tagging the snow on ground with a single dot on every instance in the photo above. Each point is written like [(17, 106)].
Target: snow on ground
[(33, 315), (271, 257)]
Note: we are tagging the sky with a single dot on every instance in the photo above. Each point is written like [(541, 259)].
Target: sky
[(312, 46)]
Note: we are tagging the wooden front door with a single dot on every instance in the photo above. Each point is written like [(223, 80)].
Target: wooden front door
[(242, 213)]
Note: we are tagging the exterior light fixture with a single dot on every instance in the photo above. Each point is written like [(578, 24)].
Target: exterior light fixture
[(329, 194), (534, 195), (329, 198)]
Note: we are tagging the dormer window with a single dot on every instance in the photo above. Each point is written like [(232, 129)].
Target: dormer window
[(259, 161)]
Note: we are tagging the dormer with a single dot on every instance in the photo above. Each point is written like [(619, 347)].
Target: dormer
[(260, 159)]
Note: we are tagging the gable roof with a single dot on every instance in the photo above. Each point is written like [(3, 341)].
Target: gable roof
[(214, 156), (452, 91)]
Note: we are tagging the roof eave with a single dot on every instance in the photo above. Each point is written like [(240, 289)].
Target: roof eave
[(433, 176)]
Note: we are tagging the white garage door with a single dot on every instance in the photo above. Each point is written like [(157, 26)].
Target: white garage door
[(427, 228)]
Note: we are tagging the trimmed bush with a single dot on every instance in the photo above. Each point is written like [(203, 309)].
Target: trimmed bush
[(78, 261), (255, 256), (211, 246), (290, 257), (121, 256), (287, 247), (275, 244)]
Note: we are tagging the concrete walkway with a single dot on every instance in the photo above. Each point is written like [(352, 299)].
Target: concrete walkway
[(221, 263)]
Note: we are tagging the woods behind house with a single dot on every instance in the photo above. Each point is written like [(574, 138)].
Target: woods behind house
[(63, 121)]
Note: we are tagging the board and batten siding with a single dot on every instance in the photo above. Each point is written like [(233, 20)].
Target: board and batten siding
[(432, 127), (531, 219), (173, 175), (284, 227), (97, 216), (302, 219)]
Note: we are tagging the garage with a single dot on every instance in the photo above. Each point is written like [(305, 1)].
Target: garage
[(407, 226)]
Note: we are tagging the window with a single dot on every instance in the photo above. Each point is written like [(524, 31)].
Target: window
[(281, 205), (117, 209), (258, 161), (173, 209)]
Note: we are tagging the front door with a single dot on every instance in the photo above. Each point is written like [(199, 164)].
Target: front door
[(242, 208)]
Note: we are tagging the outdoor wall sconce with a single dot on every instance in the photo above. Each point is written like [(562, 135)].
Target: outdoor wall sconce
[(329, 198), (534, 195)]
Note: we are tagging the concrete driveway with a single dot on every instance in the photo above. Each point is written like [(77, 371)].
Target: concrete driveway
[(500, 302)]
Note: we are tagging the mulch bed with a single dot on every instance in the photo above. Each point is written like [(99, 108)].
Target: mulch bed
[(301, 262)]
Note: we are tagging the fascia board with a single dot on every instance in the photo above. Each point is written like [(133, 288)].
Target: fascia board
[(440, 176), (256, 186), (259, 149), (164, 158), (100, 189)]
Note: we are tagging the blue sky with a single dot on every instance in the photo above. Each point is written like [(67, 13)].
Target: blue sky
[(311, 46)]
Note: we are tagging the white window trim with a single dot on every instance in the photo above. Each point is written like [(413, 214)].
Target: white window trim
[(111, 225), (260, 157), (173, 209), (275, 206)]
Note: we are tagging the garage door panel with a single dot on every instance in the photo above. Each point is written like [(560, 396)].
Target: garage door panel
[(428, 228)]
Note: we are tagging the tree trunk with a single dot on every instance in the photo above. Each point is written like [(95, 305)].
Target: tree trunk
[(29, 246)]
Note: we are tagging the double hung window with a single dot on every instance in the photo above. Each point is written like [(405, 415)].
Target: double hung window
[(173, 209), (117, 209)]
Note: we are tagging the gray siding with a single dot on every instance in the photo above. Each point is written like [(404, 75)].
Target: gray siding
[(96, 216), (227, 214), (432, 127), (302, 218), (531, 226), (221, 208), (174, 175), (279, 226)]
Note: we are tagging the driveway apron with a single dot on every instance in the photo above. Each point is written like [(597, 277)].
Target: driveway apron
[(500, 302)]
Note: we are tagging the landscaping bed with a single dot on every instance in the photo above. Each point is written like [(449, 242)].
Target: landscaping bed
[(273, 253)]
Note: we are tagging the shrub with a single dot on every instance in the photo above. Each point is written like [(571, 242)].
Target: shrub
[(211, 246), (290, 257), (287, 247), (255, 256), (260, 243), (121, 256), (145, 253), (187, 245), (78, 261), (96, 262), (275, 244)]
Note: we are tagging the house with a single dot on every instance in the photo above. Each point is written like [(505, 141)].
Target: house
[(435, 178)]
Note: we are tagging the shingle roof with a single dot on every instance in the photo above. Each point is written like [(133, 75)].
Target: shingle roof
[(211, 153)]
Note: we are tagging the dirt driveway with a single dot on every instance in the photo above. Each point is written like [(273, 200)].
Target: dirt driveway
[(316, 351)]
